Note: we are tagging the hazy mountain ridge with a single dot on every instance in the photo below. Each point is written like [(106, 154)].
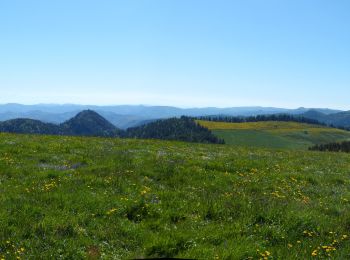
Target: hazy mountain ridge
[(341, 119), (158, 111), (125, 116)]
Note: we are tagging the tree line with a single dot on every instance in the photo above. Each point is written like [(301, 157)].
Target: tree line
[(332, 147), (273, 117), (261, 118)]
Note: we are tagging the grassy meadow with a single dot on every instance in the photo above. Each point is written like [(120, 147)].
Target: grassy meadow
[(104, 198), (271, 134)]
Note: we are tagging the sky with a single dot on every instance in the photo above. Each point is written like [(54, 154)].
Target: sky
[(186, 53)]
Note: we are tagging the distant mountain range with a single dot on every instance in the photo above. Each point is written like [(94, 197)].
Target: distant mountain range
[(126, 116), (340, 119)]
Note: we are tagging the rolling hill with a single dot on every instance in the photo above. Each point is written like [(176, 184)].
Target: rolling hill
[(275, 134)]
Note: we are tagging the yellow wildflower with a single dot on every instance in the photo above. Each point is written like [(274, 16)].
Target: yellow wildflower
[(111, 211)]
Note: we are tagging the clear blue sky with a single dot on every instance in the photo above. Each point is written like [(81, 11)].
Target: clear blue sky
[(186, 53)]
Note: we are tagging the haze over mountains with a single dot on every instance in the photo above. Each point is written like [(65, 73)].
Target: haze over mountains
[(125, 116)]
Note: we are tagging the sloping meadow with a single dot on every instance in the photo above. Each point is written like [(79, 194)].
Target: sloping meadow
[(75, 197), (275, 134)]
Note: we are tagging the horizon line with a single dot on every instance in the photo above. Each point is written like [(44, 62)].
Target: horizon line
[(173, 106)]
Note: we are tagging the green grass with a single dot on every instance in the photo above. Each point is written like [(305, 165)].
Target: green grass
[(289, 135), (255, 138), (74, 198)]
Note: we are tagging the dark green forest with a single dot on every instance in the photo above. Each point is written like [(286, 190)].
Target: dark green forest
[(89, 123), (182, 129)]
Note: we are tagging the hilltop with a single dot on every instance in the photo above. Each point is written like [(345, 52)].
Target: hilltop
[(89, 123)]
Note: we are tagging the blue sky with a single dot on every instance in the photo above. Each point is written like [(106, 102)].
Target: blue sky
[(186, 53)]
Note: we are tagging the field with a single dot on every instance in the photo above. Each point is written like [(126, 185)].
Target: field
[(290, 135), (95, 198)]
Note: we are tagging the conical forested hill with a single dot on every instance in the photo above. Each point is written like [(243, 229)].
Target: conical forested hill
[(89, 123)]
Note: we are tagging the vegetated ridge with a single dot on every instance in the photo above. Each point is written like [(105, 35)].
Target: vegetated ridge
[(90, 123), (86, 123), (29, 126), (182, 129)]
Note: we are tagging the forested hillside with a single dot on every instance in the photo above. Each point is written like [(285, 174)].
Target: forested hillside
[(29, 126), (182, 129), (90, 123)]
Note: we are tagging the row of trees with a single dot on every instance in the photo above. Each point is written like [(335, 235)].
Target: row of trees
[(332, 147), (260, 118)]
